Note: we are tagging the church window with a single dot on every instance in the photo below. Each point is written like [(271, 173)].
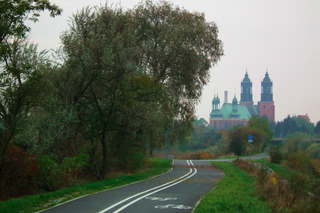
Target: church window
[(264, 106)]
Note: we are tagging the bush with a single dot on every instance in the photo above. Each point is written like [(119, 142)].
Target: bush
[(48, 177), (53, 176), (314, 151), (18, 171), (275, 153), (297, 141)]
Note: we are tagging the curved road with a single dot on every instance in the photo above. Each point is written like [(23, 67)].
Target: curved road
[(175, 191)]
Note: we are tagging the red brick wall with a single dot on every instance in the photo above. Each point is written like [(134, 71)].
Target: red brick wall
[(267, 109), (227, 123)]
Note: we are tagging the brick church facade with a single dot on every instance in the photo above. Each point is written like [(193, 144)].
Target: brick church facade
[(231, 114)]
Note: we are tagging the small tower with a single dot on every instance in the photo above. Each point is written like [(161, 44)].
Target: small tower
[(266, 105), (234, 113), (266, 89), (246, 91), (215, 113)]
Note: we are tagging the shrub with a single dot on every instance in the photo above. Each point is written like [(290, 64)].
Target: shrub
[(19, 169), (196, 155), (275, 153), (300, 161), (297, 141), (48, 177), (314, 151)]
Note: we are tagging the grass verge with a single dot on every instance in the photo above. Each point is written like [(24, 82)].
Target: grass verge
[(232, 156), (45, 200), (234, 193), (280, 170)]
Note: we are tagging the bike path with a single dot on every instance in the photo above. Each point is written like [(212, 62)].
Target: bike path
[(164, 193)]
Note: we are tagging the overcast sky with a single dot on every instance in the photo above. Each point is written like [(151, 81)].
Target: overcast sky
[(282, 36)]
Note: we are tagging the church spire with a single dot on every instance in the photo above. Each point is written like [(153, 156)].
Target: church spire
[(266, 89), (246, 90)]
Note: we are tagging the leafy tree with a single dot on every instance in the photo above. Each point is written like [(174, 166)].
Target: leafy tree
[(314, 150), (13, 14), (304, 126), (21, 72), (177, 49), (278, 129), (261, 125), (126, 71), (276, 154), (317, 128)]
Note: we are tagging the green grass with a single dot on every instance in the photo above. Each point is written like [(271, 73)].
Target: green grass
[(234, 193), (280, 170), (234, 157), (42, 201)]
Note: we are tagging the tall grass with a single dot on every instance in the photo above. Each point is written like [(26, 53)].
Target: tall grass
[(281, 195), (234, 193), (45, 200)]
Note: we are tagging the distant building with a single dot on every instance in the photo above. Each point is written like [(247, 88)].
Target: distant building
[(306, 117), (231, 114)]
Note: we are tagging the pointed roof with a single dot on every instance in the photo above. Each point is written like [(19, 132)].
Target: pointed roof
[(266, 77), (235, 100), (246, 78)]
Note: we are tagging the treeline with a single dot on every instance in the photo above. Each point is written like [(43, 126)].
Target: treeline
[(234, 140), (294, 124), (121, 82)]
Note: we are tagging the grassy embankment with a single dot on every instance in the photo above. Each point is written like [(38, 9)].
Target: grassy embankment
[(234, 193), (281, 171), (45, 200)]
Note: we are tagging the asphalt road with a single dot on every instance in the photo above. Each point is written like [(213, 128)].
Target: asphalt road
[(176, 191)]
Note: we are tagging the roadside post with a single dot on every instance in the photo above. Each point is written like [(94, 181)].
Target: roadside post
[(250, 140), (166, 144)]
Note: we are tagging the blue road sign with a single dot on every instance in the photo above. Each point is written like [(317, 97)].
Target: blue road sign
[(250, 137)]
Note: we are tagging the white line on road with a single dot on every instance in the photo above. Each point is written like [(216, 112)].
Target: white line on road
[(136, 200), (163, 185)]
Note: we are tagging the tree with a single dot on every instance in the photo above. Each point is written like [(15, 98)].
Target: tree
[(177, 49), (13, 14), (317, 128), (261, 125), (130, 71), (304, 126), (21, 70)]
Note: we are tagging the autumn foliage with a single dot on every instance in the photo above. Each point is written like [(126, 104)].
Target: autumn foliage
[(18, 173)]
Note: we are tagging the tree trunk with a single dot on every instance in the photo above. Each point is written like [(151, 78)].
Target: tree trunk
[(104, 143)]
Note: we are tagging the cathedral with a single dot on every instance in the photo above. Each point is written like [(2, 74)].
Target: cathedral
[(231, 114)]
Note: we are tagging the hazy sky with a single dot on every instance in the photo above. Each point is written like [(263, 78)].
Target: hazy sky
[(281, 36)]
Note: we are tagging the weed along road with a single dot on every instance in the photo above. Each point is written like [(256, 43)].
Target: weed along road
[(176, 191)]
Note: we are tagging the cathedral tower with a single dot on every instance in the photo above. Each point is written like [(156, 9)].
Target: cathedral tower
[(266, 105), (246, 91)]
